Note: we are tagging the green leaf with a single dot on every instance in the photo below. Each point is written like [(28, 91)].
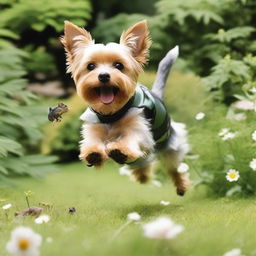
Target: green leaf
[(8, 33), (8, 145)]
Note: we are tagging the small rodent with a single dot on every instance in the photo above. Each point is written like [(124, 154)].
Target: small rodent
[(56, 112)]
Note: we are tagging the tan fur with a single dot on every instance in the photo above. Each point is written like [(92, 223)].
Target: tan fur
[(81, 50), (75, 38), (125, 132), (180, 180), (143, 174), (93, 142), (137, 40), (129, 138)]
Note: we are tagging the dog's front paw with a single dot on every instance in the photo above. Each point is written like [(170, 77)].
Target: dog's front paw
[(121, 154), (94, 156)]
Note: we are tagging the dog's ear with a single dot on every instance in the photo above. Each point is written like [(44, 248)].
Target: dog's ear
[(74, 38), (136, 38)]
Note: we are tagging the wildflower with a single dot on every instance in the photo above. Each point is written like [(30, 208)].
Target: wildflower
[(6, 206), (157, 183), (183, 167), (229, 136), (134, 216), (125, 171), (232, 175), (253, 164), (28, 194), (254, 135), (163, 228), (200, 116), (240, 116), (24, 241), (223, 132), (234, 252), (42, 219), (244, 105), (164, 202)]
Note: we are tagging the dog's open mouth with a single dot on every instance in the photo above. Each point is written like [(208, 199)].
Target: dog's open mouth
[(106, 93)]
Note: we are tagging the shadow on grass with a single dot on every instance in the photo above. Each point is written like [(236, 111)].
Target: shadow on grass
[(149, 210)]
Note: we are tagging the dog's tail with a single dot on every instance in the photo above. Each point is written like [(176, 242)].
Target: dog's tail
[(163, 71)]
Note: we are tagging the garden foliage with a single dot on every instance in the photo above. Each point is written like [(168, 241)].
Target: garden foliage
[(35, 26), (221, 143), (20, 119), (66, 143)]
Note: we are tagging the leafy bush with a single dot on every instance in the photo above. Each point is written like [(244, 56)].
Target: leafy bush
[(21, 15), (222, 143), (35, 26), (66, 144), (20, 118)]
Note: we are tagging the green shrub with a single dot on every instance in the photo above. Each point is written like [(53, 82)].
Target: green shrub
[(35, 26), (20, 119), (217, 153), (66, 143), (21, 15)]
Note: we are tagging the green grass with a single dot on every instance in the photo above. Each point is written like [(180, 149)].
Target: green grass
[(103, 199)]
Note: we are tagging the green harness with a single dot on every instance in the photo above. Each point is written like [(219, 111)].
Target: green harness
[(153, 108)]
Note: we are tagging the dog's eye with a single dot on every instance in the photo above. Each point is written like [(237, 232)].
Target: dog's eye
[(119, 65), (91, 66)]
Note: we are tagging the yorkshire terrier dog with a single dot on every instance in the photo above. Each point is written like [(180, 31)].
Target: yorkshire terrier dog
[(125, 121)]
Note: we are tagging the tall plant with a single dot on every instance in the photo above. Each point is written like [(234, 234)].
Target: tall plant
[(20, 119), (35, 26)]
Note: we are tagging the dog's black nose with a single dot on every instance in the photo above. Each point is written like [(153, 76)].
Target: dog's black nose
[(104, 77)]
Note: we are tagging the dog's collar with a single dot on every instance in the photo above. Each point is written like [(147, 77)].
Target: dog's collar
[(107, 119)]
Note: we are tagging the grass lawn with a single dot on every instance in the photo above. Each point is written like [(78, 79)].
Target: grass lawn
[(103, 199)]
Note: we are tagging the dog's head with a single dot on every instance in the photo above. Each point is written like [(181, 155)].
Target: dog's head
[(106, 75)]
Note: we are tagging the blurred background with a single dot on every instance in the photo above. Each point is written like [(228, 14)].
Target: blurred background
[(216, 69)]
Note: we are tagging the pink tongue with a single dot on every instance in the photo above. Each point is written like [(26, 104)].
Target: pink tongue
[(106, 95)]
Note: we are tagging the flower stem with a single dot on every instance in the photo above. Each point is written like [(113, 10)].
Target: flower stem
[(27, 202), (118, 232)]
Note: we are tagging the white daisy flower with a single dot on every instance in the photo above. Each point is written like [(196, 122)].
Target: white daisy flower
[(253, 164), (42, 219), (163, 228), (24, 242), (223, 131), (254, 135), (183, 167), (200, 116), (134, 216), (164, 202), (157, 183), (229, 136), (6, 206), (234, 252), (125, 171), (232, 175)]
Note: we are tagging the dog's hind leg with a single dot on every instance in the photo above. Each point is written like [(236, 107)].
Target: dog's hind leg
[(180, 180), (143, 174)]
